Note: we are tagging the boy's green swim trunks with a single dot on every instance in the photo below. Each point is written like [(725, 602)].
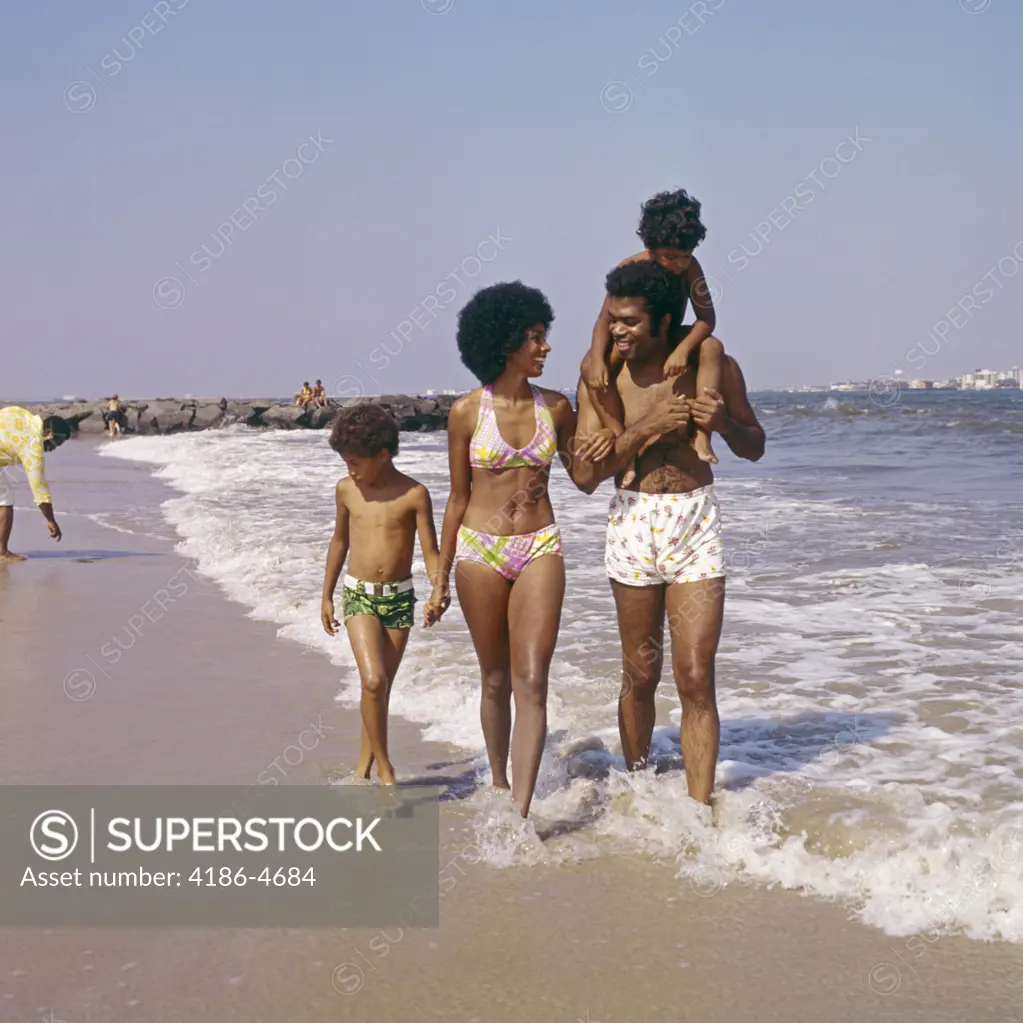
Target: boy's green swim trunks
[(393, 603)]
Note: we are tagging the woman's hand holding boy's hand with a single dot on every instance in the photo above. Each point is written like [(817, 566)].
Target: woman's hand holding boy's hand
[(439, 602)]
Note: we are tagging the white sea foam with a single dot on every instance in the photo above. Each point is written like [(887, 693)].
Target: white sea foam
[(868, 681)]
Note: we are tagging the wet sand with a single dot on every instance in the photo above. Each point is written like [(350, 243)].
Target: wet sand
[(206, 695)]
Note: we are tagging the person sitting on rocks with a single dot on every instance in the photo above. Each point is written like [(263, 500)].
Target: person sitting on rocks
[(305, 396), (319, 395)]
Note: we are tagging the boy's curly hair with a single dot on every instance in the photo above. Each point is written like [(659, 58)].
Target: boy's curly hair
[(493, 323), (364, 430), (671, 220), (648, 281)]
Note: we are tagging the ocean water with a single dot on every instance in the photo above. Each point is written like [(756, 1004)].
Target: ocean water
[(870, 674)]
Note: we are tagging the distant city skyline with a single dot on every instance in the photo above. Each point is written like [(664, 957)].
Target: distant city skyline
[(206, 198)]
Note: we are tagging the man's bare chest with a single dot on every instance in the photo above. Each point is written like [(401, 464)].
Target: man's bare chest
[(639, 397)]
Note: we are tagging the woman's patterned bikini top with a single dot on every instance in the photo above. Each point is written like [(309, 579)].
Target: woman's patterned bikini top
[(489, 450)]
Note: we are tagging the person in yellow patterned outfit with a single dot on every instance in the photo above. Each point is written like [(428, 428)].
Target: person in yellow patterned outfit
[(24, 439)]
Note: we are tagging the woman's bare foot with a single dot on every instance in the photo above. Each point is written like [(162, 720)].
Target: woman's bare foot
[(385, 774), (500, 783), (362, 768), (8, 556), (701, 445)]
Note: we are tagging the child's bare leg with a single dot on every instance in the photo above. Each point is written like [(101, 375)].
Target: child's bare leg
[(367, 636), (395, 641), (611, 412), (365, 764), (708, 375), (366, 758)]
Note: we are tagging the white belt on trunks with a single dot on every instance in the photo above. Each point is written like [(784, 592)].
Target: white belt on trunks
[(379, 589)]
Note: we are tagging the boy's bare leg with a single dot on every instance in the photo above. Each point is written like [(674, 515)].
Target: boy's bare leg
[(708, 375), (395, 641), (367, 636), (608, 406), (365, 764)]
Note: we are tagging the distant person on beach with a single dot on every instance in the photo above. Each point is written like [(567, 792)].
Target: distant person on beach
[(379, 511), (670, 228), (663, 549), (319, 395), (114, 415), (24, 439), (305, 396), (499, 524)]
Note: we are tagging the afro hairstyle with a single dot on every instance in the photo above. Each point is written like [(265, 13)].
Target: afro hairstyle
[(493, 324)]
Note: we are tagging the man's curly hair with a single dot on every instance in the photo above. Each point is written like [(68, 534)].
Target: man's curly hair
[(648, 281), (364, 430), (493, 324), (671, 220)]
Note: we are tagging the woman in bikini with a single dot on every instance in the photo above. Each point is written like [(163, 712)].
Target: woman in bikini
[(499, 525)]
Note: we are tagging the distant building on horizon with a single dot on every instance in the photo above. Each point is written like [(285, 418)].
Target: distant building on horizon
[(991, 379)]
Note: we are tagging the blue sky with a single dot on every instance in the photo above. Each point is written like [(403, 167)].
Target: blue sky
[(456, 144)]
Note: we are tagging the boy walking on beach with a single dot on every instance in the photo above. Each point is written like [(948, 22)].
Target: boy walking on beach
[(379, 512)]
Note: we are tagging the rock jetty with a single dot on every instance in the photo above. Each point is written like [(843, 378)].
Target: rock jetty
[(181, 415)]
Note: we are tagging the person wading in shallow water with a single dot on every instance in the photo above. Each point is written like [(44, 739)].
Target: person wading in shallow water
[(499, 524), (24, 437), (663, 551)]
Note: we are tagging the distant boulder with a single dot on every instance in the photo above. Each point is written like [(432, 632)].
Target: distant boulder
[(285, 417), (171, 421), (207, 417), (321, 417), (89, 423)]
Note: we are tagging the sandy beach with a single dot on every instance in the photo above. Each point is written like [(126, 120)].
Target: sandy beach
[(208, 695)]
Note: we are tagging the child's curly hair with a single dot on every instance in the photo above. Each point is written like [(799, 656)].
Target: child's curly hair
[(493, 324), (364, 430), (671, 220)]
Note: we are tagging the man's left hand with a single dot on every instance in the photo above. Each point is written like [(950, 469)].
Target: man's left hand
[(708, 411), (54, 531)]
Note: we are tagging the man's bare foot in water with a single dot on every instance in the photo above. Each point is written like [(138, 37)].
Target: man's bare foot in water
[(7, 556), (701, 445)]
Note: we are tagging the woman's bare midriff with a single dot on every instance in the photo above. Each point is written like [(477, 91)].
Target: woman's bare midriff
[(508, 502)]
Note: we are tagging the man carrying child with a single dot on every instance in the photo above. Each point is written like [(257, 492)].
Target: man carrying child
[(663, 551)]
